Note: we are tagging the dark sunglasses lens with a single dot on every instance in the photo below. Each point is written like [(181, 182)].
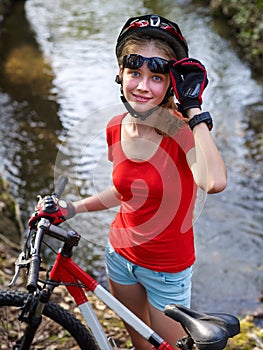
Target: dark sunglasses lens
[(133, 61), (158, 65), (155, 64)]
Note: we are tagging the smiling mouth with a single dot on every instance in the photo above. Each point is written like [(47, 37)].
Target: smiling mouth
[(141, 99)]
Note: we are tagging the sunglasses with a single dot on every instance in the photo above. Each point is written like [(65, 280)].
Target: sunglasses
[(155, 64)]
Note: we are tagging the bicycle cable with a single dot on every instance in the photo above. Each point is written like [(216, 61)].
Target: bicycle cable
[(53, 283)]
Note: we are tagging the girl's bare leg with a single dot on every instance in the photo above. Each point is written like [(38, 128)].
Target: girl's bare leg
[(166, 327), (134, 298)]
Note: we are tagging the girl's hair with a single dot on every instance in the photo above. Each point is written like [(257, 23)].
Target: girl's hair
[(169, 111), (134, 42)]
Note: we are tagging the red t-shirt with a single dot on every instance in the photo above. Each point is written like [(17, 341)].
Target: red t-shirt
[(153, 227)]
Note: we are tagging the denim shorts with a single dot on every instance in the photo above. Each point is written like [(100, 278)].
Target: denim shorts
[(162, 288)]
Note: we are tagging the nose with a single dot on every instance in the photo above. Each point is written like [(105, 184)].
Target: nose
[(143, 84)]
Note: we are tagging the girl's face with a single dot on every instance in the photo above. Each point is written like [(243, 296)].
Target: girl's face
[(142, 88)]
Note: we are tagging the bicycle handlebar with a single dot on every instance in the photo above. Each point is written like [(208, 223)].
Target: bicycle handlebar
[(35, 261), (71, 239), (60, 187)]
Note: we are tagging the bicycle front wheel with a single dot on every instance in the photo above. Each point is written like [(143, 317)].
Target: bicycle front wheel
[(59, 329)]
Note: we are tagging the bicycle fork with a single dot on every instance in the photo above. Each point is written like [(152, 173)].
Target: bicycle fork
[(32, 315)]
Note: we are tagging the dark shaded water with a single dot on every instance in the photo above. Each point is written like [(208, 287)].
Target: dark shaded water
[(57, 93)]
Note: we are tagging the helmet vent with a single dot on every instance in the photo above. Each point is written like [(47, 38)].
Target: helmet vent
[(155, 21)]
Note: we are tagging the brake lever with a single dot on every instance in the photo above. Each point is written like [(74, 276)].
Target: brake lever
[(20, 263)]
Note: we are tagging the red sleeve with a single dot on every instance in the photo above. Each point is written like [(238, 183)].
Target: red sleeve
[(113, 133), (109, 142)]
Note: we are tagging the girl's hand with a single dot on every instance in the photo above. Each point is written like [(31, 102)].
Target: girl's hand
[(189, 79), (54, 209)]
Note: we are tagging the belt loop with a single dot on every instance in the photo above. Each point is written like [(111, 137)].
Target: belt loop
[(131, 267)]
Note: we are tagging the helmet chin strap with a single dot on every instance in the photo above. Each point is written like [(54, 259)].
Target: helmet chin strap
[(132, 111), (136, 114)]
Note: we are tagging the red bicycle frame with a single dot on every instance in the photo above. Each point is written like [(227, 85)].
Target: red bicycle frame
[(66, 271)]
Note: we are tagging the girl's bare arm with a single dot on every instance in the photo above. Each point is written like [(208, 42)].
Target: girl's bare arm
[(206, 163), (104, 200)]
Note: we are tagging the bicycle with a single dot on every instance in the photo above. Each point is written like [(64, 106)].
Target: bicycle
[(205, 331)]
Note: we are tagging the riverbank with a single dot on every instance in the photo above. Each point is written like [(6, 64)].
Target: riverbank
[(9, 214), (243, 24)]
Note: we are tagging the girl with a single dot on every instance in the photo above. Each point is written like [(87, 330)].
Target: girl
[(159, 158)]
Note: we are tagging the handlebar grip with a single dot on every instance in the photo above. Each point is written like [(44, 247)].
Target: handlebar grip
[(33, 273), (60, 187)]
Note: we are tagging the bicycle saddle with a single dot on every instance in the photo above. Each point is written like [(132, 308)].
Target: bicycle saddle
[(209, 331)]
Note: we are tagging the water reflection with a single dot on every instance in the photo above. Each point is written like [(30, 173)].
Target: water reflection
[(29, 123)]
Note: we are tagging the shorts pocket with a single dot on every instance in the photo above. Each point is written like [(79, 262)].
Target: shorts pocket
[(181, 281)]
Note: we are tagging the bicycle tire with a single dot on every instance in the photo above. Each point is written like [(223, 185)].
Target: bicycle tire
[(57, 318)]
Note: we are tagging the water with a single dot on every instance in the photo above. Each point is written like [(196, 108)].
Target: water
[(77, 40)]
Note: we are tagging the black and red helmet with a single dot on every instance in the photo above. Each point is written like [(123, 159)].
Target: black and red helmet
[(156, 27)]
